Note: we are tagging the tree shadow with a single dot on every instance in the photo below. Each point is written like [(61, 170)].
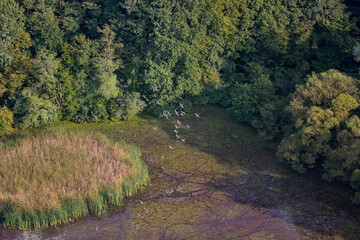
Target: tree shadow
[(317, 208)]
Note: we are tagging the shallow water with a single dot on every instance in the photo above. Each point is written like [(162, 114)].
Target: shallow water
[(224, 182)]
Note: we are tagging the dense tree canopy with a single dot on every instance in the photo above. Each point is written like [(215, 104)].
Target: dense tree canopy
[(268, 61), (325, 126)]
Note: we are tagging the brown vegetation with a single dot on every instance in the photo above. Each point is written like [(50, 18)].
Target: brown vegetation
[(39, 173)]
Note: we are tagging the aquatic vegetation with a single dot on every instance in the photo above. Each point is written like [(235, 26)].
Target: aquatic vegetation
[(211, 187), (57, 177)]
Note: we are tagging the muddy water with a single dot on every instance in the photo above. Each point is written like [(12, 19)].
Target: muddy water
[(224, 182)]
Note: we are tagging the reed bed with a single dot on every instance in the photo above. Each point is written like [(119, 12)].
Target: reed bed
[(55, 178)]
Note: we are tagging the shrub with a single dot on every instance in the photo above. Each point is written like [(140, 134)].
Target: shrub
[(125, 107), (34, 111), (6, 121)]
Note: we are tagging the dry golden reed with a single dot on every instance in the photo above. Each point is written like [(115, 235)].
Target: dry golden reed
[(55, 172)]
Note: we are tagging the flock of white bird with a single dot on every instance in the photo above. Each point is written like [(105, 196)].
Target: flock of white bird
[(167, 115)]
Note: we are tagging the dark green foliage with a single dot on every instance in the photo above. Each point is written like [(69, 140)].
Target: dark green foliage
[(253, 91), (242, 54), (275, 118), (11, 26), (44, 27), (70, 15)]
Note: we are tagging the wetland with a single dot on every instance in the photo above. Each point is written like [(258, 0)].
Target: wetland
[(224, 182)]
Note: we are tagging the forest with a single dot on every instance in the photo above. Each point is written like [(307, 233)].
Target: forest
[(289, 68)]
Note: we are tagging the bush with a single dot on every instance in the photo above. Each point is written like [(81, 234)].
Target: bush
[(125, 107), (6, 121), (34, 111), (251, 93)]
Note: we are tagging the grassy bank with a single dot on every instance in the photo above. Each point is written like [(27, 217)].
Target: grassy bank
[(55, 178)]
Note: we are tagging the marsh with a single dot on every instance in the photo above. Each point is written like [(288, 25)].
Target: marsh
[(224, 182)]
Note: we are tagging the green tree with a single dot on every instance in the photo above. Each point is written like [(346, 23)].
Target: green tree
[(320, 90), (33, 110), (6, 121), (107, 64), (310, 142), (44, 28), (318, 109), (92, 17), (70, 14), (20, 70), (46, 68), (11, 27), (124, 107), (342, 162), (253, 91)]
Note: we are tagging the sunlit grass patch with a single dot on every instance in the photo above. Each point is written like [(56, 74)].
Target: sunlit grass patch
[(54, 178)]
